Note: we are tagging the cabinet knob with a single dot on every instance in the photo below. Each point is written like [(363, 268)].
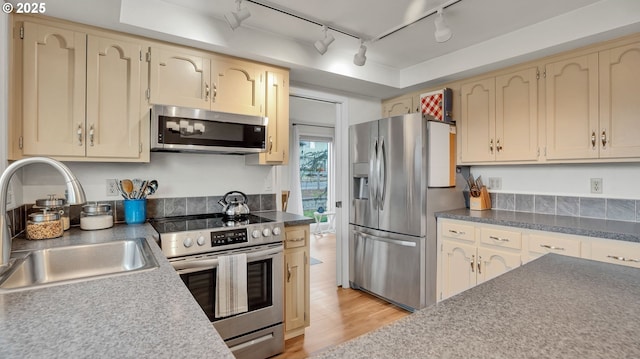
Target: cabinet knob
[(91, 135), (603, 137), (473, 263), (79, 134), (593, 140), (491, 146)]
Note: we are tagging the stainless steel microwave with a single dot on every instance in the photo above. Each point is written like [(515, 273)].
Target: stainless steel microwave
[(181, 129)]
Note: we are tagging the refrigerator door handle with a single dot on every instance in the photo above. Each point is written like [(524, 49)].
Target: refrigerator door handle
[(381, 239), (373, 181), (383, 173)]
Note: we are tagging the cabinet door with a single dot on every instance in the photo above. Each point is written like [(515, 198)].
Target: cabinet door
[(617, 252), (238, 87), (516, 136), (53, 91), (295, 281), (180, 78), (491, 263), (572, 108), (540, 244), (619, 131), (397, 107), (113, 98), (458, 267), (478, 121)]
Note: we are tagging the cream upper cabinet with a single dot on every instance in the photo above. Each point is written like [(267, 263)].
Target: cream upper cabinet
[(113, 98), (296, 280), (399, 106), (500, 118), (619, 130), (516, 137), (180, 77), (277, 112), (53, 98), (81, 96), (478, 121), (572, 108), (237, 86)]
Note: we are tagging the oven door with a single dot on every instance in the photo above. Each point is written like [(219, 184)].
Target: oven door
[(265, 286)]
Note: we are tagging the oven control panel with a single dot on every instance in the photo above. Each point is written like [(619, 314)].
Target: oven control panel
[(233, 236), (178, 244)]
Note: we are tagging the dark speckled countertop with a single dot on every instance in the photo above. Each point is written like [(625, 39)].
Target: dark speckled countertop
[(590, 227), (289, 219), (552, 307)]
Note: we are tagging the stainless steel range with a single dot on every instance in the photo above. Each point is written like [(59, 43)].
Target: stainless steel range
[(194, 244)]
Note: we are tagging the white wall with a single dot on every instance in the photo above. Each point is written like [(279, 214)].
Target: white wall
[(620, 180), (178, 174)]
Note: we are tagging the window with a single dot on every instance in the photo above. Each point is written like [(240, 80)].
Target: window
[(315, 168)]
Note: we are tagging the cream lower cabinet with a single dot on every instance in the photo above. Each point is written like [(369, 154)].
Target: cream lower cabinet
[(296, 280), (472, 254), (541, 243), (81, 95), (616, 252)]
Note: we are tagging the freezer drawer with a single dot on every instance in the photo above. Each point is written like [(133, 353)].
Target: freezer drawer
[(388, 265)]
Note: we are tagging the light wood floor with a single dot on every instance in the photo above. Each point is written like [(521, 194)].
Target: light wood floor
[(337, 314)]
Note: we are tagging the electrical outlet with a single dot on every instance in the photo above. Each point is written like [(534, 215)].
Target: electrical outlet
[(112, 188), (495, 182), (596, 185)]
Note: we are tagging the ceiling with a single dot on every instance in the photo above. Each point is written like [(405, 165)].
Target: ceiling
[(486, 34)]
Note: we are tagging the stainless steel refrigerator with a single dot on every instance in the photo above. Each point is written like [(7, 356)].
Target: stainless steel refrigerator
[(402, 171)]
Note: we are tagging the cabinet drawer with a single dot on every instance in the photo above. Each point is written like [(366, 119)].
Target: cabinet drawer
[(617, 252), (547, 244), (501, 238), (295, 238), (459, 231)]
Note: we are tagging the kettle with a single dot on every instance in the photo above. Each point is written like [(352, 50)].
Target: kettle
[(232, 206)]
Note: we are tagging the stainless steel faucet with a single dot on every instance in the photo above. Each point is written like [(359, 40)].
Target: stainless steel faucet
[(75, 195)]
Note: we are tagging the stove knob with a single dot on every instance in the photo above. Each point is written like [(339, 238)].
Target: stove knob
[(255, 233), (201, 241), (276, 231), (266, 232), (188, 242)]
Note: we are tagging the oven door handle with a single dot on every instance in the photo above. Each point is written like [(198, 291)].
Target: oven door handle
[(188, 265)]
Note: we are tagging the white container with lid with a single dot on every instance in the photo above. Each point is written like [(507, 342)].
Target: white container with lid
[(96, 216)]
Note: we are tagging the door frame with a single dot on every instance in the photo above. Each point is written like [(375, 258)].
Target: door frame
[(341, 145)]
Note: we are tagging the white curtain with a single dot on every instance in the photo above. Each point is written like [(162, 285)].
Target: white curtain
[(295, 197)]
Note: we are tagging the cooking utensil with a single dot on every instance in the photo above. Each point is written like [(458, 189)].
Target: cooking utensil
[(151, 188), (127, 187), (232, 206), (474, 190)]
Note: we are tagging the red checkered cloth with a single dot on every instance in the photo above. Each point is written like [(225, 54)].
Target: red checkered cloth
[(432, 106)]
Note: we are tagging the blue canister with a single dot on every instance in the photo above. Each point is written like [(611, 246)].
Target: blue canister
[(135, 211)]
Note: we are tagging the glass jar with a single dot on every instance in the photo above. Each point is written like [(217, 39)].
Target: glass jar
[(44, 225), (53, 204), (96, 216)]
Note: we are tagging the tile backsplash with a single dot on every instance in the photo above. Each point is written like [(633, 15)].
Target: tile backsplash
[(156, 208), (602, 208)]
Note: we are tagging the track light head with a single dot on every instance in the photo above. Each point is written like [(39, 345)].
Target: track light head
[(443, 32), (323, 45), (235, 18), (360, 58)]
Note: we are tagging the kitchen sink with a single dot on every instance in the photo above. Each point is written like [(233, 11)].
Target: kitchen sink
[(60, 265)]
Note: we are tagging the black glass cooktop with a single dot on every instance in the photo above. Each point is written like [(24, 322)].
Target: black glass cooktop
[(204, 221)]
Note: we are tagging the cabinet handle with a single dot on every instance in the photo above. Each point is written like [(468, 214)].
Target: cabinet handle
[(91, 135), (593, 140), (288, 273), (479, 261), (456, 232), (296, 239), (473, 263), (491, 146), (79, 134), (499, 239), (215, 92), (270, 144), (498, 146), (552, 247), (603, 137), (206, 91), (624, 259)]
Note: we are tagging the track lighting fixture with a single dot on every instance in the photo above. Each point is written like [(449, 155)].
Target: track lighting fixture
[(235, 18), (443, 32), (359, 59), (323, 45)]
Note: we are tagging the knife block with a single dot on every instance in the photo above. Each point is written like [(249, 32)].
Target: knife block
[(481, 203)]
